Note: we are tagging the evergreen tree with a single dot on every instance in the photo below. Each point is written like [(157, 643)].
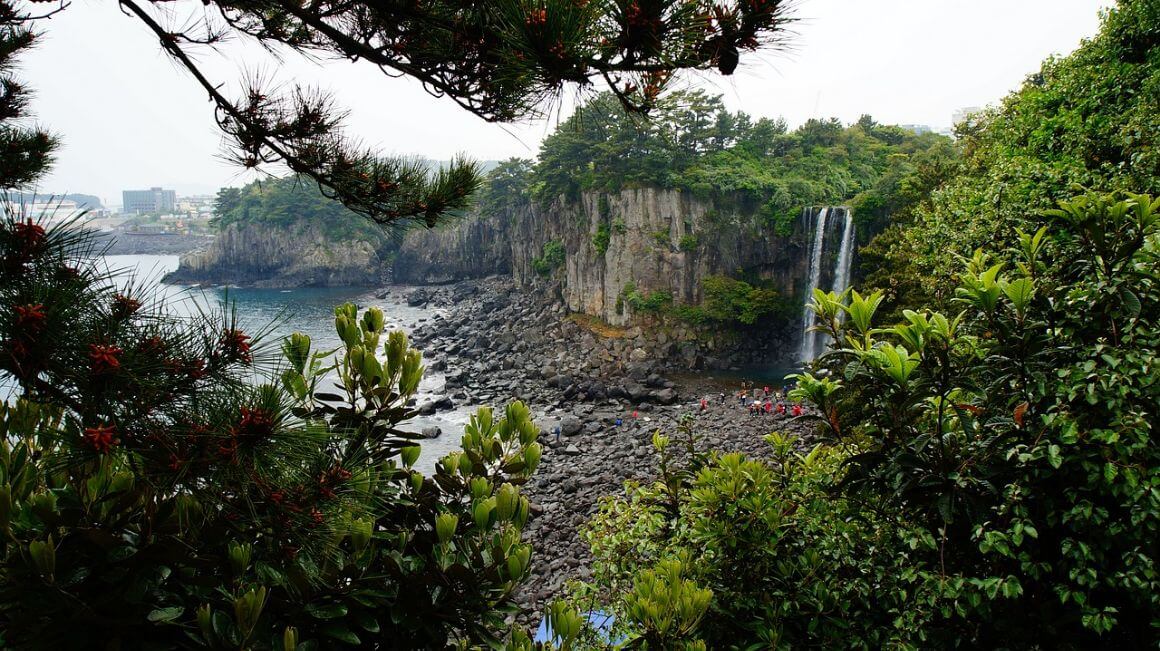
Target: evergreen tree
[(25, 152)]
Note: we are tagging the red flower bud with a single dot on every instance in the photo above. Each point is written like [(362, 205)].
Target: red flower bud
[(124, 306), (101, 438), (104, 358), (236, 346)]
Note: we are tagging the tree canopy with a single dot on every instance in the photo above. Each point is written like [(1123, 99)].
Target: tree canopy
[(289, 201), (693, 143)]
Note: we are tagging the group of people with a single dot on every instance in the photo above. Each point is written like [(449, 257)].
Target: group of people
[(761, 401)]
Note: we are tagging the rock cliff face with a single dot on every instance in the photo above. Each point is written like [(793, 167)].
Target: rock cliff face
[(657, 240), (274, 256)]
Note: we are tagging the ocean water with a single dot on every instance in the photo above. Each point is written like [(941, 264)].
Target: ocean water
[(309, 311)]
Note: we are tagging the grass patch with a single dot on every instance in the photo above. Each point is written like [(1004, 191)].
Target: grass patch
[(597, 325)]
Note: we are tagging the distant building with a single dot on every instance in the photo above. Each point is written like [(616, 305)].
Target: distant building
[(45, 212), (916, 129), (961, 115), (153, 200)]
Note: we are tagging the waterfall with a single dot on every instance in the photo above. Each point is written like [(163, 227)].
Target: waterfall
[(806, 353), (812, 342), (845, 255)]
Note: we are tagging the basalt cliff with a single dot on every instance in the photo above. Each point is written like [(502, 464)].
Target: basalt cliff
[(646, 241), (284, 255)]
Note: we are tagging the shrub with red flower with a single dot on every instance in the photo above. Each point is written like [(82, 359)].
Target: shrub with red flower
[(125, 306), (236, 346), (255, 425), (101, 438), (30, 319), (104, 359), (30, 238)]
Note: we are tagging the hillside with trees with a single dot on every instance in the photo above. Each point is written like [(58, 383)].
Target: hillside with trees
[(692, 143), (1089, 121)]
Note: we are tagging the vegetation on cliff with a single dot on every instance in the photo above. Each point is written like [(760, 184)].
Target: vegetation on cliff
[(691, 142), (294, 201)]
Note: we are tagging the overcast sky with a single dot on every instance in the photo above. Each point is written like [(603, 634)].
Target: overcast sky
[(130, 118)]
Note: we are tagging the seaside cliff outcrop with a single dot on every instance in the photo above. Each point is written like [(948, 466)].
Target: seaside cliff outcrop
[(295, 255), (644, 239), (640, 242)]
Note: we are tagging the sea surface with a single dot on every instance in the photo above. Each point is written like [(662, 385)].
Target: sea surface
[(309, 311)]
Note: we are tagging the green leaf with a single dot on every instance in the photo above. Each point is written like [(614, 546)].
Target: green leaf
[(341, 633), (165, 614), (327, 611), (367, 623)]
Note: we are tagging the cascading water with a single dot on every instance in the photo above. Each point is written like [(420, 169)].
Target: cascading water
[(845, 255), (806, 352), (811, 341)]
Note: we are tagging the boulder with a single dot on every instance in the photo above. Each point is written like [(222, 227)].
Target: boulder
[(417, 297), (431, 432), (570, 426)]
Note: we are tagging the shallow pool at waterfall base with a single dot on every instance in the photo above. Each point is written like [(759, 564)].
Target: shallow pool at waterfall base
[(730, 380), (600, 622)]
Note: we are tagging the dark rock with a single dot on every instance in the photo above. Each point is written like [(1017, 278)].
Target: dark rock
[(570, 426), (417, 297), (665, 396)]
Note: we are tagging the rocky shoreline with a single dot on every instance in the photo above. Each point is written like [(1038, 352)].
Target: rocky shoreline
[(496, 343)]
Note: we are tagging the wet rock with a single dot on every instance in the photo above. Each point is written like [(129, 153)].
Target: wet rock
[(431, 432)]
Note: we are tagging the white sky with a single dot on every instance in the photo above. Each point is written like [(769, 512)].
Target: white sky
[(131, 119)]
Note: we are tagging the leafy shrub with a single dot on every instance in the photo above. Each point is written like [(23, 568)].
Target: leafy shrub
[(1018, 432), (730, 301), (655, 302), (601, 238), (551, 258), (173, 483), (689, 243), (618, 225), (787, 564)]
